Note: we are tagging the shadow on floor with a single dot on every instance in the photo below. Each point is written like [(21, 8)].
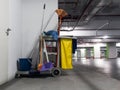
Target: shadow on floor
[(12, 82), (7, 84), (77, 70)]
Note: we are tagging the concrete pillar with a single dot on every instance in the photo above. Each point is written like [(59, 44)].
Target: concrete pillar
[(82, 53), (88, 53), (111, 50), (96, 51), (78, 53)]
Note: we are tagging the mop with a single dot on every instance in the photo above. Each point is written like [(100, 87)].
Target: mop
[(43, 66), (41, 42), (61, 13)]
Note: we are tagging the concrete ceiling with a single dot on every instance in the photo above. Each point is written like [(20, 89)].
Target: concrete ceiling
[(91, 15), (85, 10)]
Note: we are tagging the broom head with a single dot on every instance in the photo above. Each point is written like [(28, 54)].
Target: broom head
[(61, 12)]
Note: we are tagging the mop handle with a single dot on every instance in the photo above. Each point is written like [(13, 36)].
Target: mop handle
[(41, 39), (42, 19)]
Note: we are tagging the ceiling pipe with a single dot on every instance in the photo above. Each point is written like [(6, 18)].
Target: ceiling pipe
[(85, 9), (101, 27), (101, 4)]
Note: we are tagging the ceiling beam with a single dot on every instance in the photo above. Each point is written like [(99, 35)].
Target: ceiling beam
[(106, 15), (91, 33)]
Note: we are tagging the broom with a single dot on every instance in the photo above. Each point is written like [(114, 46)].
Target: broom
[(61, 13)]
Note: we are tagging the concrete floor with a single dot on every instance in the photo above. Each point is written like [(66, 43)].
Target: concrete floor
[(87, 75), (109, 67)]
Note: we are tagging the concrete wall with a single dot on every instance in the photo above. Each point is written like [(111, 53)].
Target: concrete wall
[(112, 50), (97, 50), (15, 36), (32, 12), (4, 11), (25, 18)]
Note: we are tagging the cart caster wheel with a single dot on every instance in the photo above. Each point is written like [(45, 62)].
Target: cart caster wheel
[(56, 72), (17, 76)]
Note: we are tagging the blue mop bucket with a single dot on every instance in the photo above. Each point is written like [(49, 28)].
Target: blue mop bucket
[(24, 64)]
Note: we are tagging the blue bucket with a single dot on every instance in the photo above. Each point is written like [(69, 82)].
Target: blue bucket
[(24, 64)]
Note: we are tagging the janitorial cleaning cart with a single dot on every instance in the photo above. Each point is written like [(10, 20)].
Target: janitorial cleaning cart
[(49, 52), (50, 49), (48, 55)]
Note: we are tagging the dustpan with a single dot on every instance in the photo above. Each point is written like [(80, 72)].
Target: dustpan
[(47, 66)]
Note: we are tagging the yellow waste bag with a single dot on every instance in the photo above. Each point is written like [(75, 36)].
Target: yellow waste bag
[(66, 53)]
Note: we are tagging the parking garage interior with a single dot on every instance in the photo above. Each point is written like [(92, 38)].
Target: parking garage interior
[(93, 23)]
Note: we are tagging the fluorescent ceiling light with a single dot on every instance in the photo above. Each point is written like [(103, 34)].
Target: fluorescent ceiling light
[(105, 37), (118, 44), (87, 44), (97, 40), (67, 28)]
